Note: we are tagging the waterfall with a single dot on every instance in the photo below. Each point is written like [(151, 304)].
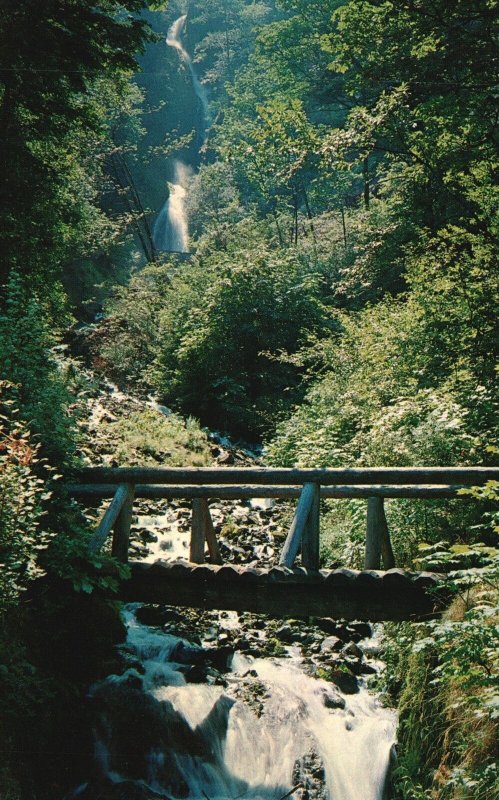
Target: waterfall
[(171, 232), (173, 39), (159, 735)]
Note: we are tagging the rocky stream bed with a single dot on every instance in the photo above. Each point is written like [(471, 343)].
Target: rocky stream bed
[(219, 705)]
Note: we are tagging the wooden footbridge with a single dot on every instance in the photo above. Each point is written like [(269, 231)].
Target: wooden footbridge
[(286, 589)]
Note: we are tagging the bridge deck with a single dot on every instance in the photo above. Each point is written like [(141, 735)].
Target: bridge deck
[(369, 595)]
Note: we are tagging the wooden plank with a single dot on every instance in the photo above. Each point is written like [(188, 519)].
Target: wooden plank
[(109, 518), (290, 477), (311, 534), (354, 599), (121, 535), (294, 538), (91, 491), (196, 554), (373, 533), (211, 537)]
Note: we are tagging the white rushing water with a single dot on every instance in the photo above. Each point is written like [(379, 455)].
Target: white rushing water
[(171, 229), (234, 753), (174, 39)]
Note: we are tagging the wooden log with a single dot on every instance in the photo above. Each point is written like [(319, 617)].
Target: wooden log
[(294, 538), (290, 477), (109, 518), (311, 533), (211, 537), (373, 533), (91, 491), (385, 541), (196, 554), (121, 535), (396, 598)]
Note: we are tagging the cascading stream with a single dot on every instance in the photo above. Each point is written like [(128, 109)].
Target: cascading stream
[(171, 230), (174, 39), (158, 733)]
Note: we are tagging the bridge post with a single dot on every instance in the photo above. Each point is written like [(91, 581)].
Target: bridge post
[(210, 535), (294, 539), (311, 534), (196, 553), (378, 544), (386, 544), (121, 531), (375, 513)]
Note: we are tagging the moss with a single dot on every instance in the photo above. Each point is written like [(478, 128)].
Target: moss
[(275, 647)]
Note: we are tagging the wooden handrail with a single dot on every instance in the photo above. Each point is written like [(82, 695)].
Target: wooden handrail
[(202, 483), (415, 476), (89, 491)]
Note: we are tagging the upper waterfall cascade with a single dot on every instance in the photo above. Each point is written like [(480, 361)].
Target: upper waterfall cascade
[(171, 228)]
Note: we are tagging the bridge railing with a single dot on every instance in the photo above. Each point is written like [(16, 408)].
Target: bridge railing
[(309, 486)]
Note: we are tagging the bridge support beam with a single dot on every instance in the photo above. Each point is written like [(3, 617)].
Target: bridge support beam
[(303, 528), (311, 533), (203, 531), (196, 554), (122, 526), (378, 542)]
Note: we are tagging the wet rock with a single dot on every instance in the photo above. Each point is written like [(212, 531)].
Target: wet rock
[(332, 699), (334, 628), (345, 681), (188, 653), (157, 616), (220, 657), (331, 643), (367, 669), (372, 649), (363, 629), (285, 634), (352, 649), (309, 778), (353, 665), (147, 536), (196, 674), (242, 644)]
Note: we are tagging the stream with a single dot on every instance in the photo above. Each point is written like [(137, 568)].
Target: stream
[(200, 720), (225, 705)]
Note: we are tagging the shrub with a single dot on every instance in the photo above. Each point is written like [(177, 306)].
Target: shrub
[(22, 502), (148, 437), (227, 330), (37, 381)]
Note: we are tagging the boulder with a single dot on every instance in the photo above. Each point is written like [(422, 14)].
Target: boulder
[(353, 650), (332, 699), (345, 681), (331, 644)]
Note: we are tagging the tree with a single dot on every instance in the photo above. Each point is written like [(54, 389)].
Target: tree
[(52, 64)]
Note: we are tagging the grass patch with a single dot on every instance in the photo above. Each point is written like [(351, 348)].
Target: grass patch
[(148, 438)]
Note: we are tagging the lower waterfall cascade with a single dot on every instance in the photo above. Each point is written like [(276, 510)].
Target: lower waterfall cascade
[(159, 733)]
